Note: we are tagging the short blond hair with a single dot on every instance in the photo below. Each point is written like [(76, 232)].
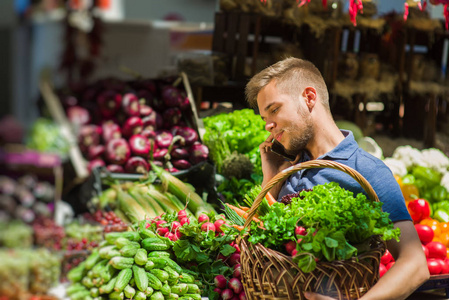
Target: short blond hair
[(291, 75)]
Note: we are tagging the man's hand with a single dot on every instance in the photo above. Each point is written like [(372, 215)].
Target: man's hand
[(315, 296)]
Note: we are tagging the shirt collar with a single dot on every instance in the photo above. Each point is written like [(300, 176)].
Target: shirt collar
[(345, 149)]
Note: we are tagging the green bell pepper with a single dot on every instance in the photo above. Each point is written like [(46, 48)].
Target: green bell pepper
[(441, 215), (408, 179), (438, 193), (444, 205), (428, 176)]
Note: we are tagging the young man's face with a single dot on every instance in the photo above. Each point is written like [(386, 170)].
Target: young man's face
[(286, 118)]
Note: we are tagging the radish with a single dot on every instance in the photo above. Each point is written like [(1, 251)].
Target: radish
[(182, 214), (294, 252), (132, 125), (95, 151), (237, 271), (139, 145), (145, 110), (111, 131), (218, 224), (152, 121), (289, 246), (203, 218), (234, 259), (98, 162), (115, 168), (179, 153), (198, 153), (181, 164), (189, 134), (137, 164), (163, 138), (171, 236), (217, 290), (159, 222), (88, 135), (162, 231), (171, 117), (242, 295), (178, 234), (235, 285), (299, 230), (117, 151), (109, 103), (78, 115), (184, 220), (227, 294), (220, 282), (237, 248), (160, 154), (175, 225), (208, 227), (171, 96), (131, 105)]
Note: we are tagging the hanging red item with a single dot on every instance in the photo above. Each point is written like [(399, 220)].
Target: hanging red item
[(405, 11), (302, 2), (325, 4), (446, 15), (354, 7)]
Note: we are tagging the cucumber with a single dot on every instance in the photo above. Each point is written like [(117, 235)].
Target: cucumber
[(108, 287), (141, 257), (129, 292), (166, 290), (111, 237), (160, 274), (129, 250), (121, 263), (157, 296), (193, 296), (193, 288), (123, 279), (93, 259), (186, 278), (159, 263), (173, 276), (140, 296), (171, 263), (154, 282), (159, 254), (116, 296), (140, 278), (180, 289), (147, 233), (77, 273), (149, 265), (149, 291)]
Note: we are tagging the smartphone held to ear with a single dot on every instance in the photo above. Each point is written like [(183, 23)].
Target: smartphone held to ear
[(279, 149)]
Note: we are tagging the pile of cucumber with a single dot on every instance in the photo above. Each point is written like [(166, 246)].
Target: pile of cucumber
[(132, 265)]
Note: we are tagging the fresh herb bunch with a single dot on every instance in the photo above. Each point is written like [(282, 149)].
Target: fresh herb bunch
[(337, 224)]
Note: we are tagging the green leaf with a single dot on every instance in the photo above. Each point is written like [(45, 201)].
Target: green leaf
[(227, 250), (307, 263), (330, 242)]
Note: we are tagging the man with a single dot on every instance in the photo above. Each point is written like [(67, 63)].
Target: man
[(293, 100)]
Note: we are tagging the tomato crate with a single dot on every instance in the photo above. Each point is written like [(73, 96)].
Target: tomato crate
[(436, 282)]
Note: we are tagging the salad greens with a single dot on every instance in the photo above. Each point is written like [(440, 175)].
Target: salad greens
[(338, 225)]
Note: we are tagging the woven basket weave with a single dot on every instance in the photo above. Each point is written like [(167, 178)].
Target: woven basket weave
[(269, 274)]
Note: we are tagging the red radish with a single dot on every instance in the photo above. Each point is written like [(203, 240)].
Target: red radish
[(234, 259), (162, 231), (117, 151), (171, 169), (115, 168), (217, 290), (149, 134), (386, 257), (299, 230), (198, 153), (171, 96), (159, 222), (139, 145), (88, 135), (227, 294), (235, 285), (182, 214), (111, 131), (171, 116), (242, 295), (220, 282), (237, 248), (132, 125), (78, 115), (175, 225), (163, 138), (160, 154), (294, 252), (145, 110), (289, 246), (179, 153), (170, 236), (184, 220), (137, 164), (185, 104), (237, 271), (189, 134), (109, 103), (95, 151), (98, 162), (208, 227), (178, 234), (158, 163), (203, 218), (130, 104), (181, 164), (218, 224)]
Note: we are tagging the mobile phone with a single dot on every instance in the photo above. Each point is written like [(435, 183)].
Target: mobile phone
[(279, 149)]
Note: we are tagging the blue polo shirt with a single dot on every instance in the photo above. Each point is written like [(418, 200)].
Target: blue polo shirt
[(372, 169)]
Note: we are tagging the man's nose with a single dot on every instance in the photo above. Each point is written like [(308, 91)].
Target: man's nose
[(269, 126)]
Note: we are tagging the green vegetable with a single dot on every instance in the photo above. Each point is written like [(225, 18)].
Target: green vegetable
[(129, 291), (154, 282), (123, 279), (338, 225), (141, 257), (140, 277), (429, 177), (438, 193), (441, 215), (121, 263)]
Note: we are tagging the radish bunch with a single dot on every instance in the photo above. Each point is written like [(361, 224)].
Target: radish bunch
[(125, 125)]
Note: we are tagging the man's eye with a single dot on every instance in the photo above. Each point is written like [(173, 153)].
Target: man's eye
[(275, 110)]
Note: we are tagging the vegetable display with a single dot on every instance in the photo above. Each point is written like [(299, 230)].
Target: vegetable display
[(125, 125)]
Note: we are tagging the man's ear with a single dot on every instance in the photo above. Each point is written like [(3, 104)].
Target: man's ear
[(310, 96)]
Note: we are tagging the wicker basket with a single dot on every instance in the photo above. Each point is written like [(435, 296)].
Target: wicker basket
[(269, 274)]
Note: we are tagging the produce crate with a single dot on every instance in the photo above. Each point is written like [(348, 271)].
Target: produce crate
[(436, 282)]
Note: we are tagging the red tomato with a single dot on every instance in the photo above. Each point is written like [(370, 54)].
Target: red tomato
[(382, 270), (436, 250), (425, 233), (386, 258), (419, 209), (445, 264), (389, 265), (435, 266), (426, 251)]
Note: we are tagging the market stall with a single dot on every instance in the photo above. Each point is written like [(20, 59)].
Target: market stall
[(147, 184)]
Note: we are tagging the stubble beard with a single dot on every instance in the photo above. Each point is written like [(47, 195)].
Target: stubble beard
[(300, 136)]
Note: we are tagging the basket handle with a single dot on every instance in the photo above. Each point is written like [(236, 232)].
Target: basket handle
[(311, 164)]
